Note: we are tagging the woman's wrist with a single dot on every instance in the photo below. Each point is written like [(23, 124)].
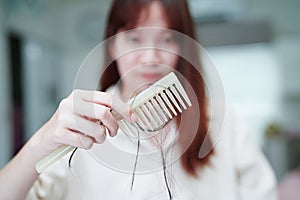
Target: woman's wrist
[(39, 144)]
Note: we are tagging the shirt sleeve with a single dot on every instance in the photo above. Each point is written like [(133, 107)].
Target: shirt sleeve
[(256, 179)]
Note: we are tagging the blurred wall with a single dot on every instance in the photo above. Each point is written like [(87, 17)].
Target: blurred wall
[(5, 142), (284, 17), (57, 36)]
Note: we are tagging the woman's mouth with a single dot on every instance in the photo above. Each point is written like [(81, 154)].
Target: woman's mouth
[(150, 77)]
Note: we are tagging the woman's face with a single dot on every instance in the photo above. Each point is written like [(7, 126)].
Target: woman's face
[(146, 54)]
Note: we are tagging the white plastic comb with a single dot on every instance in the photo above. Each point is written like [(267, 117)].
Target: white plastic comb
[(157, 105), (154, 108)]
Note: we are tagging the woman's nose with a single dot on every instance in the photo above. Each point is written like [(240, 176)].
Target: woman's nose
[(150, 55)]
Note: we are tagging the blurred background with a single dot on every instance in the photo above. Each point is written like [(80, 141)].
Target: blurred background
[(255, 45)]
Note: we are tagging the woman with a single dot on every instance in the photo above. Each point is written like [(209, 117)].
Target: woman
[(235, 169)]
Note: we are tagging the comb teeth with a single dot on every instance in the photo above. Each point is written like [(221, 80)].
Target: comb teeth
[(157, 105)]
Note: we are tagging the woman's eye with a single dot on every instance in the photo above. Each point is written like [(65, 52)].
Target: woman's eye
[(133, 39), (168, 39)]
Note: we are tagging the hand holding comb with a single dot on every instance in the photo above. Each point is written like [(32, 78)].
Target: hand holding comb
[(154, 108)]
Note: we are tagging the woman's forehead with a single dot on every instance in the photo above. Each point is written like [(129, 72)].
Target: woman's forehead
[(152, 16), (149, 30)]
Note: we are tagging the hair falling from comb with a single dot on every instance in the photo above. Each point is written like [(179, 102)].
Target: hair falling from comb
[(135, 162), (165, 173), (163, 166), (71, 156), (159, 142), (135, 165)]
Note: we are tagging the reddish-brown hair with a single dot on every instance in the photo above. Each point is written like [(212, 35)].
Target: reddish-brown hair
[(124, 15)]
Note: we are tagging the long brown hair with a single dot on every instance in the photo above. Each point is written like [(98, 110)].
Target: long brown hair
[(124, 15)]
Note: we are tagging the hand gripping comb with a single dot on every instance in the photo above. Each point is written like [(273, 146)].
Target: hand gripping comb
[(153, 108)]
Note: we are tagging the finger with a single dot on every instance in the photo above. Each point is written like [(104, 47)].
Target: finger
[(97, 112), (99, 97), (86, 127), (106, 99), (75, 139), (102, 139)]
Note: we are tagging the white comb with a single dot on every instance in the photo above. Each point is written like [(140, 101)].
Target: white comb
[(156, 106), (153, 108)]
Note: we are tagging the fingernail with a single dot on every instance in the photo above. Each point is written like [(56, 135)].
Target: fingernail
[(133, 118)]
